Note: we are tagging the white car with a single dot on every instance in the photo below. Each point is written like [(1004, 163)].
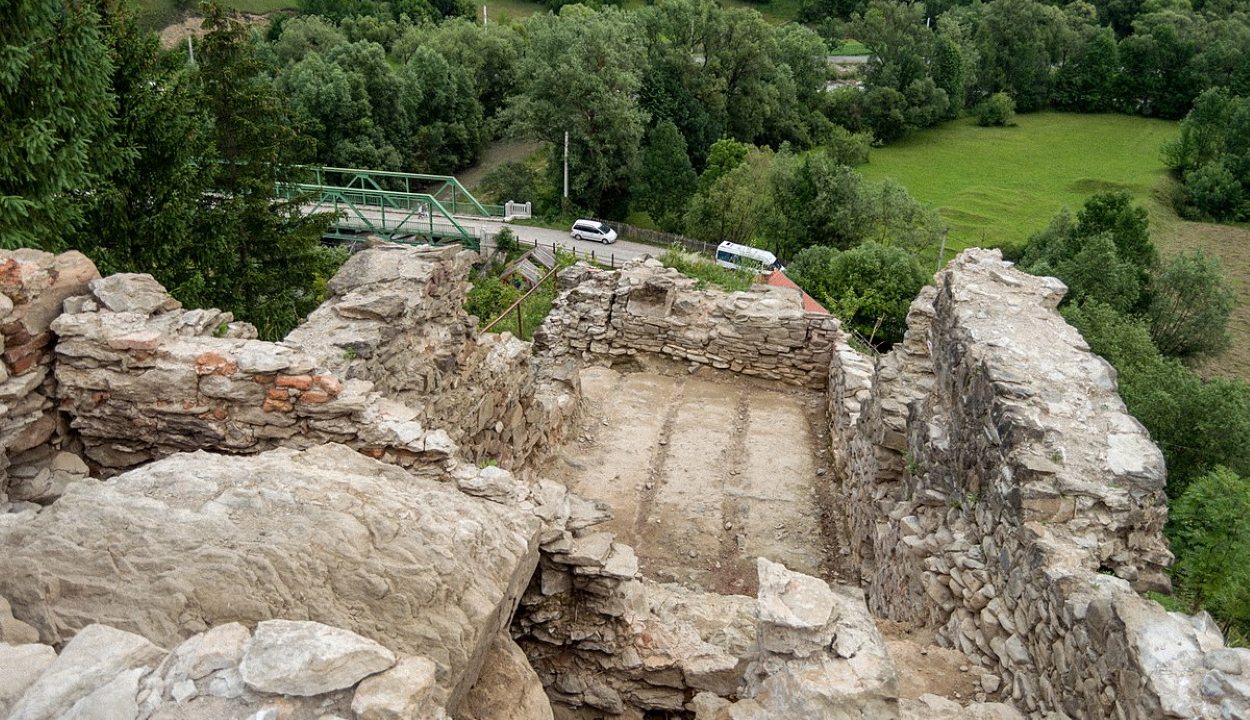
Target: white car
[(593, 230)]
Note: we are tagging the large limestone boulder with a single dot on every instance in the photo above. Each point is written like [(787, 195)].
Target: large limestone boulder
[(20, 667), (328, 535), (402, 692), (95, 676), (507, 689), (820, 656), (293, 657)]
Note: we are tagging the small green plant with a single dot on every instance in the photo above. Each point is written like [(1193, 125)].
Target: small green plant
[(490, 297), (971, 499), (1057, 457), (221, 330), (911, 465), (489, 462), (350, 354)]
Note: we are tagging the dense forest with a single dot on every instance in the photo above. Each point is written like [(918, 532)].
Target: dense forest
[(709, 121)]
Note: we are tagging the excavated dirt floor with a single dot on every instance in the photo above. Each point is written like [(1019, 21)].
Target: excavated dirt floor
[(704, 473)]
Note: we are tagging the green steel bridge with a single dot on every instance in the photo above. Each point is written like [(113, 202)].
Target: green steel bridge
[(402, 207)]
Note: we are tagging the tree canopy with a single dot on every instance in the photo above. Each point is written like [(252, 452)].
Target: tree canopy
[(1212, 157), (57, 112)]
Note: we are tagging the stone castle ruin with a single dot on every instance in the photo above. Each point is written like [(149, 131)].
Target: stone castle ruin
[(373, 519)]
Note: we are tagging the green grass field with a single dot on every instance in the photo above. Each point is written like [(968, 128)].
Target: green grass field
[(997, 186), (850, 47)]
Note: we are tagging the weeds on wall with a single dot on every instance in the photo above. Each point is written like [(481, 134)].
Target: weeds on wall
[(706, 272)]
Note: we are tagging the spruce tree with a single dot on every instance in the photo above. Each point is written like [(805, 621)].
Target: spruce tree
[(665, 179), (259, 252), (141, 215), (56, 126)]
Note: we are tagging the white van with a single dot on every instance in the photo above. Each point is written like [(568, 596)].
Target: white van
[(593, 230), (745, 257)]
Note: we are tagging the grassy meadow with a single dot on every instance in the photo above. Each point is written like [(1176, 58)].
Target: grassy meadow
[(996, 186)]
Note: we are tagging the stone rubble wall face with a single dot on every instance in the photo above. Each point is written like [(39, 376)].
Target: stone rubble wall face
[(601, 639), (142, 387), (997, 490), (649, 309), (387, 366), (1000, 494), (32, 286), (396, 318)]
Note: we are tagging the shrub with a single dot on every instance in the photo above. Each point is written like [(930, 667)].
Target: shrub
[(847, 148), (489, 297), (506, 242), (1190, 307), (996, 110), (1210, 533), (870, 287), (1214, 193)]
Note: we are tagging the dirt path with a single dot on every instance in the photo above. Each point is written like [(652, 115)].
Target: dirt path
[(497, 153), (703, 475)]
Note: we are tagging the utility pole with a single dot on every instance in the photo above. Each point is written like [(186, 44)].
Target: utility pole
[(190, 51), (566, 170), (484, 22)]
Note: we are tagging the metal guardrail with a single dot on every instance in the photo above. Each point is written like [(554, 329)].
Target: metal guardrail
[(388, 213), (445, 187)]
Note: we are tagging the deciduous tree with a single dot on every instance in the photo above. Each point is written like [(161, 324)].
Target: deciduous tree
[(665, 179), (1209, 528), (869, 287), (1190, 306), (582, 71)]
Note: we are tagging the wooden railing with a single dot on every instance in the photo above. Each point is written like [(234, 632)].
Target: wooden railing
[(516, 306), (603, 259)]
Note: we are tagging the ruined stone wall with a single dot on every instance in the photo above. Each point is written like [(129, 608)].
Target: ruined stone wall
[(396, 318), (388, 366), (1001, 494), (648, 309), (35, 447)]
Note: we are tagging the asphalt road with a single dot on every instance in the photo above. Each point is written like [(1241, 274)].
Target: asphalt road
[(615, 254), (612, 255)]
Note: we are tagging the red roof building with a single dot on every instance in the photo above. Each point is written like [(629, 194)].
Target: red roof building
[(776, 278)]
